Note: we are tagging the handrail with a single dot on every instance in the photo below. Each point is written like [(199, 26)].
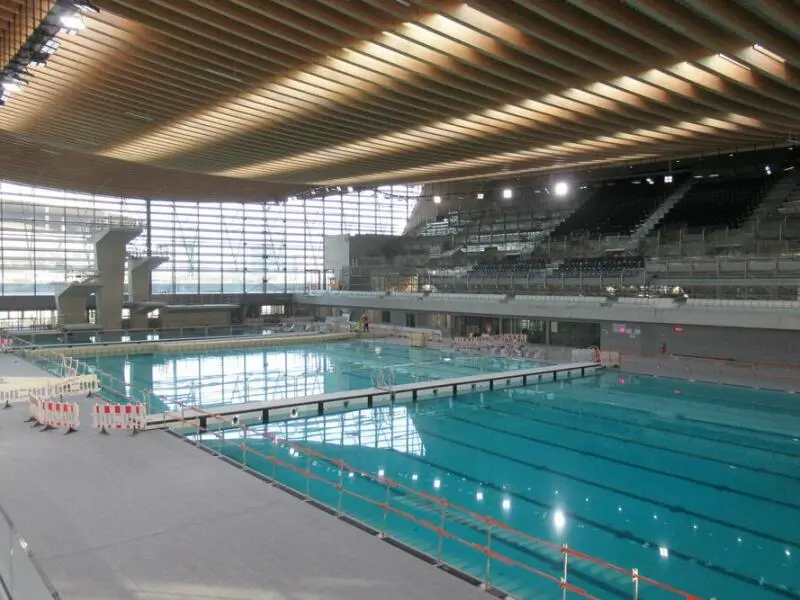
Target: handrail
[(634, 574), (426, 524), (7, 583)]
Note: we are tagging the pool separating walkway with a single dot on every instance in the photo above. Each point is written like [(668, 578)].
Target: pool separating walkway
[(149, 516), (304, 406)]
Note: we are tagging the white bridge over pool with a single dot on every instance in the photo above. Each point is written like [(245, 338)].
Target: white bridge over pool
[(319, 404)]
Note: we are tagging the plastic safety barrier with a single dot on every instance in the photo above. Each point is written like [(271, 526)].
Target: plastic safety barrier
[(586, 355), (49, 388), (6, 344), (35, 409), (54, 414), (129, 417), (610, 358)]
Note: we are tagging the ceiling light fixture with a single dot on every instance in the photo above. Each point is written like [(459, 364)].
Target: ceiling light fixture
[(65, 15), (10, 85), (768, 52), (508, 193), (733, 61), (561, 188), (437, 199), (72, 21)]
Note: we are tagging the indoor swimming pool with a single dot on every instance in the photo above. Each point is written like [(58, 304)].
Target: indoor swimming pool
[(214, 379), (641, 472)]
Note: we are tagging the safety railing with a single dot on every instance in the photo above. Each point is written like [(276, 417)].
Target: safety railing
[(757, 374), (57, 337), (449, 533), (21, 576), (113, 389)]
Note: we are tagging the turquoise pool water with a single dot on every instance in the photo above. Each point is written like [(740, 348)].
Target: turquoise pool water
[(622, 467), (685, 481), (271, 374)]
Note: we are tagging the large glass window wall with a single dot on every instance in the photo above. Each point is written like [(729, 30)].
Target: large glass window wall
[(46, 237)]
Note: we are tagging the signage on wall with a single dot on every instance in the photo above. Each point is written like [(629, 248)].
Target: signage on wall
[(624, 329)]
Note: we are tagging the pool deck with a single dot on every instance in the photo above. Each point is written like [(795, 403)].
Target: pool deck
[(303, 406), (153, 518)]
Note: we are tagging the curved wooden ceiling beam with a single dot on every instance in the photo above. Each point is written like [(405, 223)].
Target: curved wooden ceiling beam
[(262, 93)]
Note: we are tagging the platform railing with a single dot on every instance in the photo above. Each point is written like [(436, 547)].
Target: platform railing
[(408, 504), (169, 334), (21, 576)]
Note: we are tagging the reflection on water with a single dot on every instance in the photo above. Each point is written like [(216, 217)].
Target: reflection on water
[(274, 374)]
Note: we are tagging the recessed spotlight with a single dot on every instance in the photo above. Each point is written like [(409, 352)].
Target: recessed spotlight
[(508, 193), (437, 199), (479, 195), (72, 21), (561, 188)]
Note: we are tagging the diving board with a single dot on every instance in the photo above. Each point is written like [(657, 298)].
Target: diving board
[(319, 404)]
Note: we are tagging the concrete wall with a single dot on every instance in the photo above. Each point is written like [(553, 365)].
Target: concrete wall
[(195, 318), (110, 261), (71, 309), (729, 343), (744, 314), (336, 254), (575, 334), (368, 246)]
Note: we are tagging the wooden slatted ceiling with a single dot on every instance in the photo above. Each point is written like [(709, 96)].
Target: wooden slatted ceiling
[(266, 96)]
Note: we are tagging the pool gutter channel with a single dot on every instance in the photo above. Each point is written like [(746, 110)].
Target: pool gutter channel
[(392, 541)]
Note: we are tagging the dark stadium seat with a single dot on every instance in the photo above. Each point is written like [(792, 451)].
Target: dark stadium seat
[(617, 207), (717, 203), (600, 266)]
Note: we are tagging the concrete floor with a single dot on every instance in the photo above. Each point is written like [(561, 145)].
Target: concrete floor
[(153, 518)]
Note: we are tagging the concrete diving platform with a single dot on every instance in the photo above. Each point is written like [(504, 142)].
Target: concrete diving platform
[(200, 307), (320, 404), (144, 306), (72, 297)]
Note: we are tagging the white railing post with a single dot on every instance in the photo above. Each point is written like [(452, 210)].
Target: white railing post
[(487, 579)]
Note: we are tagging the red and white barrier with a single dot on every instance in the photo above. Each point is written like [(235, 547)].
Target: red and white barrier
[(52, 414), (130, 417), (6, 344)]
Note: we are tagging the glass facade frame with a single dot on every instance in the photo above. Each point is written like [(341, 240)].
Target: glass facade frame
[(213, 247)]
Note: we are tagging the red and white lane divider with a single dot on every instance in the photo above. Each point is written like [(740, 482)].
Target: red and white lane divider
[(54, 414), (129, 417)]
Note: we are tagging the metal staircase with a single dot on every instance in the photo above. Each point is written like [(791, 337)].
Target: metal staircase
[(658, 215), (784, 190)]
